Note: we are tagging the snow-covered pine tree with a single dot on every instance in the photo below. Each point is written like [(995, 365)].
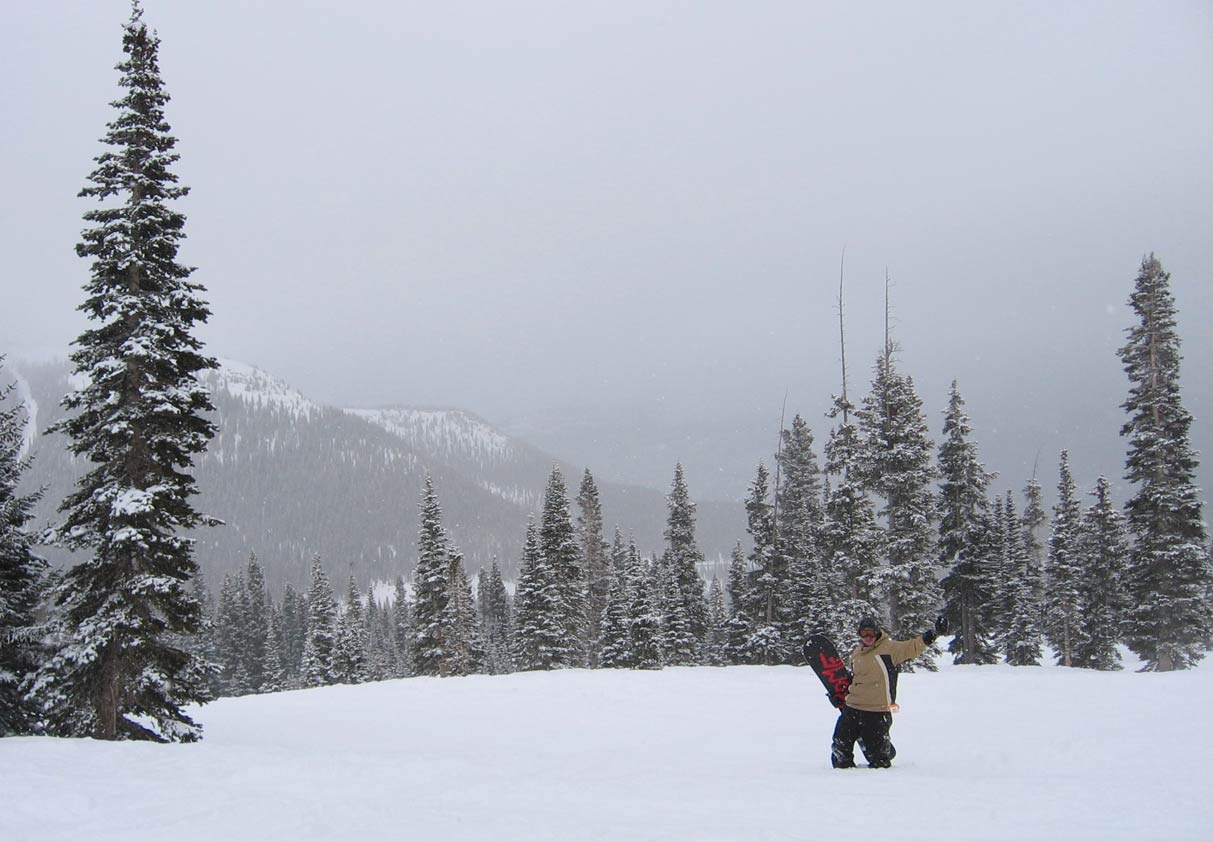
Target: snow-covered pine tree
[(1033, 519), (376, 668), (594, 552), (851, 540), (231, 636), (895, 463), (496, 621), (997, 610), (203, 642), (275, 661), (797, 529), (139, 418), (558, 543), (615, 641), (461, 632), (1103, 554), (619, 553), (742, 609), (716, 640), (382, 658), (22, 576), (645, 622), (257, 626), (684, 583), (394, 666), (1064, 623), (539, 642), (679, 647), (1170, 620), (1021, 593), (319, 645), (404, 630), (430, 587), (294, 633), (350, 645), (968, 586), (766, 644)]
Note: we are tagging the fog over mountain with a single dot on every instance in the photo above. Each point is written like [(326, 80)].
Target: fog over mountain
[(292, 478), (614, 230)]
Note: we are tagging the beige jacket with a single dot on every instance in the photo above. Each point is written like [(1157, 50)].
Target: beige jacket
[(874, 681)]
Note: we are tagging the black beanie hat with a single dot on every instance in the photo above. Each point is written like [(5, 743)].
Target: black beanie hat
[(867, 623)]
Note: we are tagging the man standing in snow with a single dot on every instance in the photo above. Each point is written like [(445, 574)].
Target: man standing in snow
[(872, 698)]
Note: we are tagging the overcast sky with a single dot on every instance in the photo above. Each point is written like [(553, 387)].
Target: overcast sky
[(543, 211)]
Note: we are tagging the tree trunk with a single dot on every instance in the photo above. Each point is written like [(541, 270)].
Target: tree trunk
[(107, 697), (969, 654), (1065, 653)]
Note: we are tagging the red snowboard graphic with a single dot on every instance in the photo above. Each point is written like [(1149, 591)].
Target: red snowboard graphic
[(821, 655)]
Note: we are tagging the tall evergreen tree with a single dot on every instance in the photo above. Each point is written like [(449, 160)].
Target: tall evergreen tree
[(742, 609), (231, 628), (594, 553), (685, 584), (317, 669), (895, 463), (615, 642), (382, 658), (275, 654), (539, 642), (257, 626), (430, 586), (851, 539), (203, 644), (1170, 622), (716, 640), (350, 643), (1020, 593), (766, 644), (645, 621), (558, 544), (797, 532), (679, 647), (496, 621), (463, 641), (404, 630), (963, 531), (22, 576), (294, 634), (619, 553), (997, 610), (139, 419), (1034, 519), (1064, 622), (1103, 554)]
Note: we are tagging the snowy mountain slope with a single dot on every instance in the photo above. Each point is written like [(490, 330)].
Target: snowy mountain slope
[(449, 433), (258, 388), (464, 441), (984, 753)]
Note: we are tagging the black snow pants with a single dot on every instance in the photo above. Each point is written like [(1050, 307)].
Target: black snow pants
[(872, 732)]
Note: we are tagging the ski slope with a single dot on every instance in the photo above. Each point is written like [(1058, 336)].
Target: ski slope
[(984, 753)]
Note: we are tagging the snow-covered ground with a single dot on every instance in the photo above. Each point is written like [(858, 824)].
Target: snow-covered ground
[(986, 753)]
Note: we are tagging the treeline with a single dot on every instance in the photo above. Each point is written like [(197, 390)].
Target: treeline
[(890, 526)]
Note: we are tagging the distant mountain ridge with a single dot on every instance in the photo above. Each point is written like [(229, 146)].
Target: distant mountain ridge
[(467, 442), (291, 478)]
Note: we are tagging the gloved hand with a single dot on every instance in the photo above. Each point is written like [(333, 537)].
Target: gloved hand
[(941, 627)]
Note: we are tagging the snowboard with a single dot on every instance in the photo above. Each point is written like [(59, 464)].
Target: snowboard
[(822, 656)]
